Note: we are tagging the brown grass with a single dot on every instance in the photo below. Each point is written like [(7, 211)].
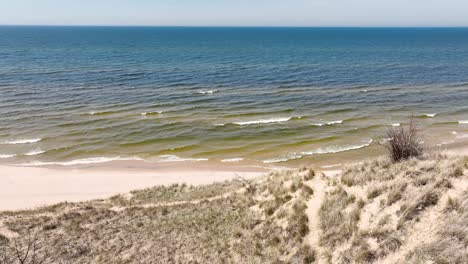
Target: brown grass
[(391, 199), (451, 244), (412, 211), (255, 221)]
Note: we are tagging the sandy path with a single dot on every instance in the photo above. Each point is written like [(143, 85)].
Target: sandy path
[(29, 187), (319, 185)]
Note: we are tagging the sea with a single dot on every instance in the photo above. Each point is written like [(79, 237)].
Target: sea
[(226, 95)]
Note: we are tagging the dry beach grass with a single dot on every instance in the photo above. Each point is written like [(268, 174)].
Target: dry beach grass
[(414, 211), (239, 221)]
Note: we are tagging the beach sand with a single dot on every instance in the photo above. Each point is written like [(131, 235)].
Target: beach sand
[(30, 187)]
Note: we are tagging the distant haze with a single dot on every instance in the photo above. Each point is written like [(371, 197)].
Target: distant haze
[(236, 12)]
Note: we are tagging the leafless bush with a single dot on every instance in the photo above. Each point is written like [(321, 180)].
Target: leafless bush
[(404, 142), (25, 250)]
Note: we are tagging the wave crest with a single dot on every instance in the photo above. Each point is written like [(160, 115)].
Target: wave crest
[(330, 123), (151, 113), (337, 149), (262, 121), (287, 157), (79, 161), (207, 91), (34, 152), (22, 141), (174, 158), (7, 156)]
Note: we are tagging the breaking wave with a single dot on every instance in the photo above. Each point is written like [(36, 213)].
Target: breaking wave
[(207, 91), (22, 141), (79, 161), (174, 158), (34, 152), (152, 113), (287, 157), (262, 121), (7, 156), (329, 123), (337, 148)]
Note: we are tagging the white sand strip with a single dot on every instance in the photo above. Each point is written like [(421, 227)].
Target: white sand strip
[(29, 187)]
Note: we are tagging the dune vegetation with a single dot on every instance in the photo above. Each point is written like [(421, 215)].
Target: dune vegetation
[(241, 221), (408, 207), (413, 211)]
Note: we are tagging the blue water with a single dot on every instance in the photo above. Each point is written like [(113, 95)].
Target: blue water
[(261, 94)]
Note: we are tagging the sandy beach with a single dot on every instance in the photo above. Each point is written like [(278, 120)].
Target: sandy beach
[(30, 187)]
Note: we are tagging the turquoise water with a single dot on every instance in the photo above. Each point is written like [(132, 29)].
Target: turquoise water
[(78, 95)]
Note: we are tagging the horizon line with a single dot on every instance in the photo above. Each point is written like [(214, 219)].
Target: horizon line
[(227, 26)]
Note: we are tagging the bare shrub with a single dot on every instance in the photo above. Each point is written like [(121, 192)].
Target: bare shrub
[(25, 250), (404, 142)]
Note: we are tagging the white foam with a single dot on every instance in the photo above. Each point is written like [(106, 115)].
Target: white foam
[(335, 122), (463, 122), (318, 124), (337, 148), (261, 121), (23, 141), (431, 115), (79, 161), (100, 112), (174, 158), (454, 132), (6, 156), (151, 113), (233, 160), (207, 91), (396, 125), (329, 123), (289, 156), (34, 152)]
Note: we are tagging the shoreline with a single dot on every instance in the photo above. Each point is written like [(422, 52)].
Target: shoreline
[(29, 187)]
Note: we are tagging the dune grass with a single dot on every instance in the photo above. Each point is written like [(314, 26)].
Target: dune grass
[(394, 200), (412, 211), (260, 221)]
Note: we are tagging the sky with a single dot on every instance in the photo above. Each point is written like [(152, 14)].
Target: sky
[(373, 13)]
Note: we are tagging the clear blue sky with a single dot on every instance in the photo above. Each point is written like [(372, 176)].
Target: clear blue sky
[(236, 12)]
